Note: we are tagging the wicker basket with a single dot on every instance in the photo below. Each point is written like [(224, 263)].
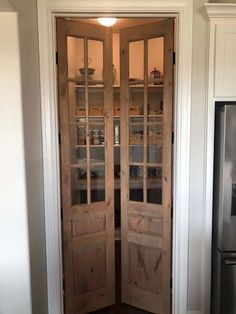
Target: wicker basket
[(135, 139)]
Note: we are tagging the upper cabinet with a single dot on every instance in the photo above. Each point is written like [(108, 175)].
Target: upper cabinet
[(222, 52)]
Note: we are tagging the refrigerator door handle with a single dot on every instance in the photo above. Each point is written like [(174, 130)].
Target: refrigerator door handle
[(230, 262)]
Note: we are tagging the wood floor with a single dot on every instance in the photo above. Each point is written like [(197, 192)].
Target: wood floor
[(119, 308)]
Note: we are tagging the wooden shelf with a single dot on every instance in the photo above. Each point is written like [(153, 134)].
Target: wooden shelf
[(100, 87)]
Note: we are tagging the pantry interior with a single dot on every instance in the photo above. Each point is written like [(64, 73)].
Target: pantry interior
[(97, 137), (136, 114)]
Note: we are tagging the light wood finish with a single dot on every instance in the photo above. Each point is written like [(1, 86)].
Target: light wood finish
[(146, 227), (88, 229)]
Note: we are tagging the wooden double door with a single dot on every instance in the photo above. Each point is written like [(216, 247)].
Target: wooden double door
[(90, 120)]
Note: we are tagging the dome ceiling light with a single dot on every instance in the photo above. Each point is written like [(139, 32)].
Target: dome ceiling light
[(107, 21)]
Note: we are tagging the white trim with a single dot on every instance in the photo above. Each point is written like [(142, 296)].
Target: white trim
[(221, 10), (47, 10)]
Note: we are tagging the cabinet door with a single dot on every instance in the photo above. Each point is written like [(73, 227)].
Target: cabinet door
[(146, 128), (225, 59), (85, 103)]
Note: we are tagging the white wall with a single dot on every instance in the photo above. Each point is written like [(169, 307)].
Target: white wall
[(15, 294), (29, 55)]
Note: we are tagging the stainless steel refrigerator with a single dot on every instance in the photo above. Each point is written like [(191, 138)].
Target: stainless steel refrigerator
[(224, 211)]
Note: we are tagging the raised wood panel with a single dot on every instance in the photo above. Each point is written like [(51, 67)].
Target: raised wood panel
[(145, 224), (88, 223), (225, 59), (145, 267), (89, 267)]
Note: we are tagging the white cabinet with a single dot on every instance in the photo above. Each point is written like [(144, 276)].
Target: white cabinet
[(222, 51), (225, 58)]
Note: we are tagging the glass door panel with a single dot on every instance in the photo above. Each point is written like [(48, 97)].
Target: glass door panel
[(97, 183), (136, 183), (154, 185), (79, 185), (136, 62)]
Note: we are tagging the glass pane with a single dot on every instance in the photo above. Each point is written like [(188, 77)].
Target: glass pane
[(78, 186), (136, 183), (155, 102), (97, 154), (136, 133), (95, 60), (116, 132), (117, 162), (154, 135), (97, 133), (96, 101), (154, 154), (136, 153), (81, 155), (75, 56), (97, 184), (77, 140), (156, 60), (136, 60), (136, 103), (80, 102), (154, 185)]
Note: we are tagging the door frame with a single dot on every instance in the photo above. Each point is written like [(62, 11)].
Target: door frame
[(183, 12)]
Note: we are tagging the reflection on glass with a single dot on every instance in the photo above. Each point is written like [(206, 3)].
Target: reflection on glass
[(136, 134), (136, 60), (97, 184), (97, 134), (155, 59), (97, 154), (154, 154), (154, 185), (78, 186), (136, 153), (136, 183), (136, 101), (95, 60)]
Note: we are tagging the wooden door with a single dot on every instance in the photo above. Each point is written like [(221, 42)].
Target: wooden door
[(146, 132), (85, 114)]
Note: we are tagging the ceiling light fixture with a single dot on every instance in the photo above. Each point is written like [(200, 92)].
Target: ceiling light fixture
[(107, 21)]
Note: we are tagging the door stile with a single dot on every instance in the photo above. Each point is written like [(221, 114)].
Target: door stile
[(167, 161), (145, 121), (87, 120), (109, 153), (124, 105)]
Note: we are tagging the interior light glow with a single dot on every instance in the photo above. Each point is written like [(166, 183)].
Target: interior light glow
[(107, 21)]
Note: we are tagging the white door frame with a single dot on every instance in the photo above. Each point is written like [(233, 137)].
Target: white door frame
[(183, 11)]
